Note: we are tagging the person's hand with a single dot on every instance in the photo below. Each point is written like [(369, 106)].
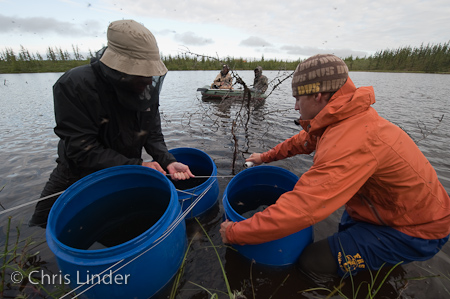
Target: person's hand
[(223, 230), (255, 158), (179, 171), (154, 165)]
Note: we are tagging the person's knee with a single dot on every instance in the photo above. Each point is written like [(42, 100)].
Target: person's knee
[(317, 258), (41, 212)]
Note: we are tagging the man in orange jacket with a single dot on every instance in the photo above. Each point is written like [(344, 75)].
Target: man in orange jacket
[(396, 210)]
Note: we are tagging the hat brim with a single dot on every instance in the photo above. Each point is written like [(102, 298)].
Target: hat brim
[(133, 66)]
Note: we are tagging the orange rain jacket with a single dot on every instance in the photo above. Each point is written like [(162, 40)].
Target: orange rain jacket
[(361, 161)]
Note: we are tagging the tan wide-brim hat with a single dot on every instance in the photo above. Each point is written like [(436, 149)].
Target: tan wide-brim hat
[(132, 49)]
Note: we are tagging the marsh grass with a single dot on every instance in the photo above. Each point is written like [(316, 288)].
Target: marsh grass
[(230, 293), (212, 293), (373, 286), (441, 275), (180, 273), (19, 261)]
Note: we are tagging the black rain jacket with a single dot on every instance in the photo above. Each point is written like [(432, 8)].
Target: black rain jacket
[(96, 130)]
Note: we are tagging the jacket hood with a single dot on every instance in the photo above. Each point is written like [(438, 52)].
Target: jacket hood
[(258, 71), (345, 102)]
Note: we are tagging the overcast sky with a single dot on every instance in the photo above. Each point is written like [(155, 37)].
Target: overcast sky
[(281, 29)]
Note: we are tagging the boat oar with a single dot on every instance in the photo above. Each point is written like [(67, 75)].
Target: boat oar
[(202, 89)]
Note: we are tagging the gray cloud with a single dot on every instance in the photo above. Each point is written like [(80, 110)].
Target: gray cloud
[(309, 51), (40, 25), (360, 25), (254, 41), (191, 39), (164, 32)]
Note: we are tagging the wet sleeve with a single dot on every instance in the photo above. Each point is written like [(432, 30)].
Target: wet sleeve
[(155, 145), (297, 144)]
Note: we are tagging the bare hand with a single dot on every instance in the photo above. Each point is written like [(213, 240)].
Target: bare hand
[(179, 171), (255, 158), (154, 165), (223, 230)]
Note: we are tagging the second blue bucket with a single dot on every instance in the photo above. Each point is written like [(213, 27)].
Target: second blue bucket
[(251, 191), (201, 165)]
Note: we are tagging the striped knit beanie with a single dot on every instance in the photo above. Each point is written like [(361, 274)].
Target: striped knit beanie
[(319, 73)]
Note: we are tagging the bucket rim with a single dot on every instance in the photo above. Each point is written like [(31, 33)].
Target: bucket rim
[(205, 183), (246, 172), (122, 250)]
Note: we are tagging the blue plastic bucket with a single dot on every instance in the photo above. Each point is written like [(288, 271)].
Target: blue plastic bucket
[(113, 226), (200, 164), (260, 186)]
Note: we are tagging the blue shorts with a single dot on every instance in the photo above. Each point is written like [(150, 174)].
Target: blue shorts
[(362, 246)]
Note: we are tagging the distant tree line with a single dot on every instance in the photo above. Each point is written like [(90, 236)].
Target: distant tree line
[(429, 59), (199, 62), (432, 58), (56, 60)]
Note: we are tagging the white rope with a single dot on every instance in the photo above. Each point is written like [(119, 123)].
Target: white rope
[(189, 193), (167, 232), (29, 203), (208, 176), (59, 193)]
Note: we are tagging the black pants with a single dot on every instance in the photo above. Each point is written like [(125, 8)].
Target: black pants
[(60, 179), (317, 261)]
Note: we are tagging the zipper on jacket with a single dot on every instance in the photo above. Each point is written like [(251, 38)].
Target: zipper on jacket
[(374, 210)]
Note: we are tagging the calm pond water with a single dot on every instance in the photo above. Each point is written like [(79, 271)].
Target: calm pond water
[(415, 102)]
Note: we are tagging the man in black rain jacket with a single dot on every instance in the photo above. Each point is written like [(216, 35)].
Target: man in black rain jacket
[(107, 111)]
